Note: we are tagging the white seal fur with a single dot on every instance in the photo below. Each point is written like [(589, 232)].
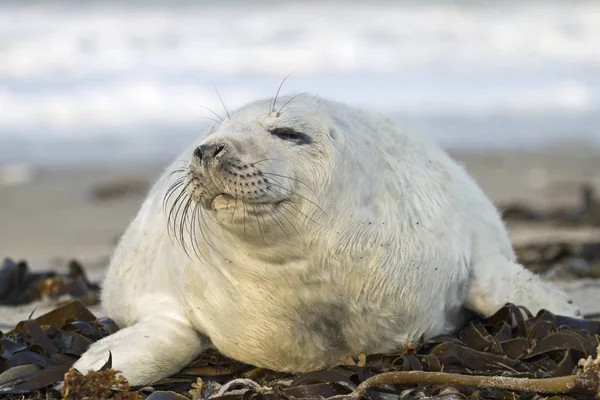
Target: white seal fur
[(301, 236)]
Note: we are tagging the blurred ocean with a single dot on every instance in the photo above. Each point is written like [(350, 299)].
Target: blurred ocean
[(107, 81)]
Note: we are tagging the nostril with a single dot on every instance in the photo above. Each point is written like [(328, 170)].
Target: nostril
[(207, 152), (219, 148)]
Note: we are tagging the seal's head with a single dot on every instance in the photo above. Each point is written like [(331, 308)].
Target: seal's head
[(261, 170)]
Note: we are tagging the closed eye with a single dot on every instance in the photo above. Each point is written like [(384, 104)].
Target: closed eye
[(291, 135)]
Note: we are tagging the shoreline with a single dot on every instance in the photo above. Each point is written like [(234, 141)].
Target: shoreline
[(53, 213)]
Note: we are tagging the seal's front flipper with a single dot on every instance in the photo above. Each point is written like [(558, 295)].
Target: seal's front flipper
[(495, 284), (147, 351)]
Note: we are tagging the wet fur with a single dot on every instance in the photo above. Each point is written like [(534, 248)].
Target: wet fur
[(382, 239)]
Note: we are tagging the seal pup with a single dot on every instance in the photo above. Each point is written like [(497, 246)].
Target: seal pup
[(299, 232)]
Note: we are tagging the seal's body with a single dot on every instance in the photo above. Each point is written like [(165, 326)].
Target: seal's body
[(293, 239)]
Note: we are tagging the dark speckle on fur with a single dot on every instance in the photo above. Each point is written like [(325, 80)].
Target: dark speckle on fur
[(323, 325)]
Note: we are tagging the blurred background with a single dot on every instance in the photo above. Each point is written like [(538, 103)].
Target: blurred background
[(96, 97)]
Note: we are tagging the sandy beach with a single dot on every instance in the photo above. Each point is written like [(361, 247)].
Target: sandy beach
[(79, 213)]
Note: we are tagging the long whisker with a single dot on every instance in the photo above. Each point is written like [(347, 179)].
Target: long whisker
[(186, 222), (181, 194), (195, 226), (213, 113), (223, 103), (206, 239), (245, 214), (171, 190), (288, 220), (289, 101), (185, 162), (289, 177), (272, 107), (174, 186), (259, 226), (178, 221), (301, 220), (213, 120), (177, 171), (276, 221), (295, 208), (182, 225), (210, 231), (236, 201), (171, 218), (277, 210), (265, 159), (278, 184), (177, 204), (204, 236), (205, 188)]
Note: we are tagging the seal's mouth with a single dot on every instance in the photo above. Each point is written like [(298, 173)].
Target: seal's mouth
[(224, 201)]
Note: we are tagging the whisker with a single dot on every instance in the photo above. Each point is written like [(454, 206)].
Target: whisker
[(185, 221), (177, 171), (213, 113), (259, 226), (208, 242), (194, 235), (288, 220), (176, 220), (210, 230), (177, 204), (182, 225), (289, 177), (277, 210), (278, 184), (223, 103), (272, 107), (302, 220), (171, 222), (276, 221), (236, 202), (245, 213), (182, 168), (280, 211), (205, 188), (289, 101), (265, 159), (295, 208), (174, 184), (274, 199), (170, 192), (206, 239), (182, 161), (213, 120)]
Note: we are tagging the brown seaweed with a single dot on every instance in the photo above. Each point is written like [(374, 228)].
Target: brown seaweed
[(119, 188), (580, 260), (101, 385), (545, 346), (19, 285), (587, 213)]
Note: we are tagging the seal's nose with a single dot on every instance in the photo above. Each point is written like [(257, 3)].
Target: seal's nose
[(207, 152)]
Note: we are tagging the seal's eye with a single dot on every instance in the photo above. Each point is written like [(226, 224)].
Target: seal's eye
[(291, 135)]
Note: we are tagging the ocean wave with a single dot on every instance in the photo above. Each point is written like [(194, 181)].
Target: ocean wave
[(74, 70), (41, 39)]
